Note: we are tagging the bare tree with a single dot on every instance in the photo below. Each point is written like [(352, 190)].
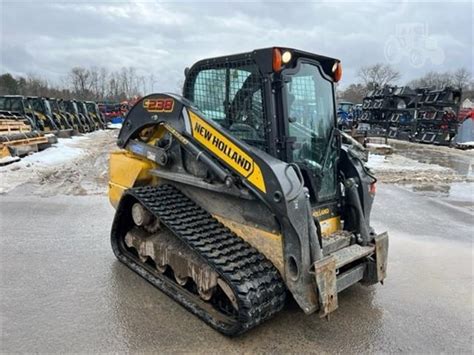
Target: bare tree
[(433, 79), (94, 83), (151, 83), (354, 93), (36, 86), (378, 75), (103, 79), (80, 79), (462, 78)]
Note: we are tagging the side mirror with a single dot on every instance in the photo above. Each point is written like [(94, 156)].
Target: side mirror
[(186, 72)]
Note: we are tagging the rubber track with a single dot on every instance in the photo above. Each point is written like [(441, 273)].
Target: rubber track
[(257, 284)]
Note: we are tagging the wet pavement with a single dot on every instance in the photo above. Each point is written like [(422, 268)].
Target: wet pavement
[(462, 162), (63, 291)]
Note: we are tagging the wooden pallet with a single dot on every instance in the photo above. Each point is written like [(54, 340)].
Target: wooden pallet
[(24, 141), (12, 126)]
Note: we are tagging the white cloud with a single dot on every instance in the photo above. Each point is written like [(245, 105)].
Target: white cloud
[(162, 38)]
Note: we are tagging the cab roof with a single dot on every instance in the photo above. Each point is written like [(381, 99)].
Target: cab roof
[(264, 58)]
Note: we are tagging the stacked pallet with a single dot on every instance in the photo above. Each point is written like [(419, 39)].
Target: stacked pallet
[(17, 140), (8, 126)]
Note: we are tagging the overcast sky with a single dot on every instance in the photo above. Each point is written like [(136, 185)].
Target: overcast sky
[(49, 37)]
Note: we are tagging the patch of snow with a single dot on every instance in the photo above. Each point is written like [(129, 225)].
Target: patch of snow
[(8, 160), (76, 165), (375, 161), (65, 150), (378, 145), (114, 125), (400, 163)]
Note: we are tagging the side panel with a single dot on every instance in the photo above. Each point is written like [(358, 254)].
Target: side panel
[(127, 170), (226, 150), (269, 244)]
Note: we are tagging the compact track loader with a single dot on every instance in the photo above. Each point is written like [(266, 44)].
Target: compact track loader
[(70, 108), (17, 107), (62, 116), (46, 119), (81, 106), (243, 190), (95, 114)]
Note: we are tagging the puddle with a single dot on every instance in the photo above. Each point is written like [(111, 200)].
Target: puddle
[(459, 194), (460, 161)]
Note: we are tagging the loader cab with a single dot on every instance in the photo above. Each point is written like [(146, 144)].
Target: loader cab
[(12, 104), (92, 107), (280, 101), (55, 106), (81, 108), (39, 105), (17, 104), (43, 113), (70, 107)]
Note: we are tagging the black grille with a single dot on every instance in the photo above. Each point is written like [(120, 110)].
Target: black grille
[(231, 94)]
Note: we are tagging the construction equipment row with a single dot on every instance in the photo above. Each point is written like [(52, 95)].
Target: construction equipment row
[(29, 124)]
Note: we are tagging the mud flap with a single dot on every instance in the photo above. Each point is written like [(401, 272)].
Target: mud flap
[(376, 270), (381, 254), (326, 284)]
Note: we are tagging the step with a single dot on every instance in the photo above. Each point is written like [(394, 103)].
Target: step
[(336, 241), (350, 277), (351, 253)]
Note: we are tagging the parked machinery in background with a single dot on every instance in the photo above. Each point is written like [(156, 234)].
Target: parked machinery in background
[(59, 116), (16, 107), (345, 115), (44, 118), (81, 106), (95, 114), (70, 107), (437, 115), (423, 115), (58, 107)]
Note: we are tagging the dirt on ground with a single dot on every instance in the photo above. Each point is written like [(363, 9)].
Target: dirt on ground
[(74, 166), (79, 166), (420, 164)]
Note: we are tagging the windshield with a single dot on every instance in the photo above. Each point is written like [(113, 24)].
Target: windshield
[(36, 104), (90, 107), (310, 101), (80, 108), (54, 106), (11, 104), (48, 107)]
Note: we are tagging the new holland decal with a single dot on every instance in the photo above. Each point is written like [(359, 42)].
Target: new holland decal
[(226, 150)]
